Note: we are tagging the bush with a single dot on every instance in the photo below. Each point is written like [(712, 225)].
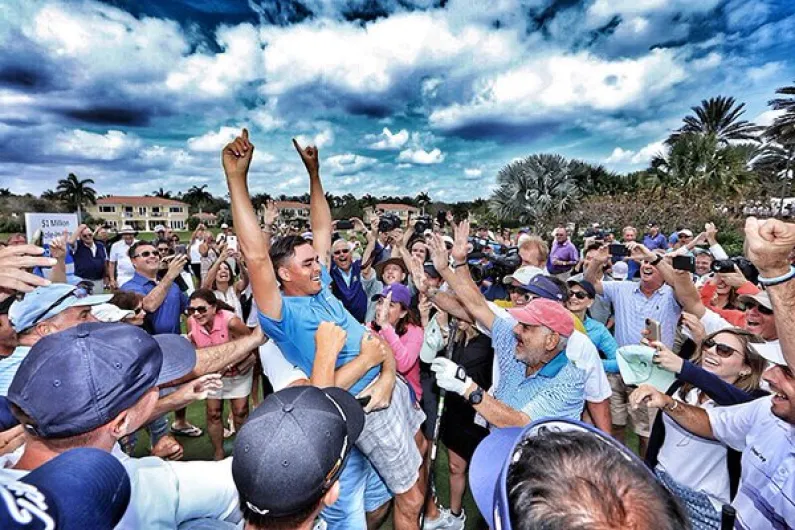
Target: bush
[(9, 225)]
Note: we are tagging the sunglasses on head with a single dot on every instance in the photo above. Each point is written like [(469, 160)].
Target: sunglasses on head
[(750, 305), (147, 253), (202, 309), (724, 350), (341, 251)]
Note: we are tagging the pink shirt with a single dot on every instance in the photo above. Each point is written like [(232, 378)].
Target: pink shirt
[(219, 334), (407, 353)]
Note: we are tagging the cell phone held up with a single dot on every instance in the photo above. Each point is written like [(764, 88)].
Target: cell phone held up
[(684, 263), (653, 332), (344, 224), (617, 250)]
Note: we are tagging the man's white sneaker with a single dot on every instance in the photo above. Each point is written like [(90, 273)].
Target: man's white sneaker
[(446, 521)]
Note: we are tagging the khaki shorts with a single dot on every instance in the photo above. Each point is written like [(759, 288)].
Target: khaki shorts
[(642, 418)]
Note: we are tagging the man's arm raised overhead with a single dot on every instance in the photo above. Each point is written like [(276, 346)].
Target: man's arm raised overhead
[(236, 159), (319, 211)]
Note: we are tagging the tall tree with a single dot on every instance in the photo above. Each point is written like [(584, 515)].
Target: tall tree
[(198, 196), (76, 193), (782, 130), (163, 194), (422, 200), (533, 189), (719, 116)]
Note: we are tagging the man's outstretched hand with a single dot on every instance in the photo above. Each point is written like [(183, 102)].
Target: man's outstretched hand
[(236, 156), (309, 156), (768, 243)]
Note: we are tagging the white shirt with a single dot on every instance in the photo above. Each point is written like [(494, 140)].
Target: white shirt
[(579, 350), (166, 494), (695, 462), (195, 255), (280, 372), (119, 254)]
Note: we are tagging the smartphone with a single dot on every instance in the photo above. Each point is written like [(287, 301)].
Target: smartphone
[(653, 328), (364, 400), (345, 224), (684, 263), (231, 243), (617, 250)]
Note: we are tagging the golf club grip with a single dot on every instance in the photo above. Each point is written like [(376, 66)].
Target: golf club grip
[(727, 516)]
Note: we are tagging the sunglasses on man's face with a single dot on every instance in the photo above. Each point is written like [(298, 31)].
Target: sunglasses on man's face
[(202, 309), (148, 253), (724, 350), (750, 305), (341, 252)]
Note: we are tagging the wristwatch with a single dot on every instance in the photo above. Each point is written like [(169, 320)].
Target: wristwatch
[(476, 396), (656, 260)]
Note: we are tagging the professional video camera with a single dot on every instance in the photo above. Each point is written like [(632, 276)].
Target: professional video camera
[(389, 222), (423, 223), (497, 265)]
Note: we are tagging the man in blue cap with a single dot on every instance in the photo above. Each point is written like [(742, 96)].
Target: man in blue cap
[(45, 311), (82, 488), (95, 383), (290, 453), (558, 473)]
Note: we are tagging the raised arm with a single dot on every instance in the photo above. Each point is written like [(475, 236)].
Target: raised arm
[(367, 255), (236, 158), (242, 282), (460, 280), (444, 301), (156, 296), (768, 245), (595, 271), (319, 212), (76, 234), (209, 279)]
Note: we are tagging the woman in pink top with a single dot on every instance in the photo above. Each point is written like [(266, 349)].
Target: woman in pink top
[(399, 325), (210, 323)]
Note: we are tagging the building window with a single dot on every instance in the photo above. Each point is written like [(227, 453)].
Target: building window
[(142, 210), (175, 209), (178, 225), (107, 209)]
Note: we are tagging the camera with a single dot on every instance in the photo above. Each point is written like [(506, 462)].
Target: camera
[(498, 267), (344, 224), (389, 222), (424, 222), (685, 263), (723, 265), (618, 250)]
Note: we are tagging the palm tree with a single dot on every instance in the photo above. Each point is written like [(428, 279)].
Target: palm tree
[(75, 193), (782, 129), (198, 196), (422, 200), (533, 189), (718, 116), (160, 192)]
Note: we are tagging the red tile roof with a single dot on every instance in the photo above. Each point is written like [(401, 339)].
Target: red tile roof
[(387, 206), (294, 205), (205, 215), (140, 201)]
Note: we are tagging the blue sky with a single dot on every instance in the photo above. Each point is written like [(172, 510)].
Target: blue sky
[(401, 96)]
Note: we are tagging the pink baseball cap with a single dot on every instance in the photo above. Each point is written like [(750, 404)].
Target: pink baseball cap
[(543, 312)]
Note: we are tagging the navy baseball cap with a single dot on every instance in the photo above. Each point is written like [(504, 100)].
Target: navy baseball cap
[(493, 457), (543, 287), (46, 302), (79, 379), (430, 270), (79, 489), (293, 448), (586, 286), (7, 419)]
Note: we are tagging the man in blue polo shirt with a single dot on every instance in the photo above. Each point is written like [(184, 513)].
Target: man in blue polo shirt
[(290, 281), (163, 302), (89, 257), (653, 239)]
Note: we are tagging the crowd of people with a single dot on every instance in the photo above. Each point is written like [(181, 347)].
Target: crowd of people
[(349, 357)]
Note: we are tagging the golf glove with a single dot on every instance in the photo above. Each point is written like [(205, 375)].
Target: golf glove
[(450, 376)]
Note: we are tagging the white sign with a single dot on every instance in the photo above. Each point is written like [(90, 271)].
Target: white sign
[(51, 225)]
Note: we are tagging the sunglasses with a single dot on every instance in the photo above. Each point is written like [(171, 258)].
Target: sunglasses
[(201, 310), (750, 305), (77, 293), (724, 350), (341, 252), (139, 310), (147, 253), (582, 295)]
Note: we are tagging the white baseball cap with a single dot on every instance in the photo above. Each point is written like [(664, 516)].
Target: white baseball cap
[(110, 313), (523, 275), (224, 225), (770, 351), (620, 270)]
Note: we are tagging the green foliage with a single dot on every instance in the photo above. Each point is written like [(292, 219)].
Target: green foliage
[(76, 193), (9, 225), (193, 223), (718, 117)]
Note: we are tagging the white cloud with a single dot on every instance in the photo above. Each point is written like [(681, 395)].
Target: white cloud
[(642, 156), (768, 117), (324, 138), (473, 172), (213, 141), (92, 146), (421, 156), (764, 72), (386, 141), (553, 87), (348, 164)]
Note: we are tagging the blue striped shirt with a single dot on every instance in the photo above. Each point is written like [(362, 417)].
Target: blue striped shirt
[(557, 390), (632, 308), (765, 498), (9, 366)]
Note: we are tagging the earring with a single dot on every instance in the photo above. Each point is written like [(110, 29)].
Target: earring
[(743, 374)]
